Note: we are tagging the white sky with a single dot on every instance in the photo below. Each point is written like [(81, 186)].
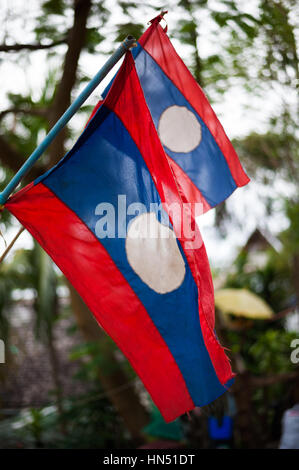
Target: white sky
[(239, 112)]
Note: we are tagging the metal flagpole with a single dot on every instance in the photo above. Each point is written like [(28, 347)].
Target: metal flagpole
[(125, 45)]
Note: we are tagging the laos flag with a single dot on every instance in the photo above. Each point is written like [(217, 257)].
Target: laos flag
[(106, 214), (202, 158)]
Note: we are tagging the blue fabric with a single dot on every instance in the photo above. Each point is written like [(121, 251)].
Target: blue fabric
[(104, 163), (222, 431)]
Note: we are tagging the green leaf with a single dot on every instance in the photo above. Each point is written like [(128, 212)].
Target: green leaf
[(93, 39), (54, 7), (126, 29)]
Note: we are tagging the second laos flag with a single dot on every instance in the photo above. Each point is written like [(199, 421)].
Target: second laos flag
[(152, 294), (202, 158)]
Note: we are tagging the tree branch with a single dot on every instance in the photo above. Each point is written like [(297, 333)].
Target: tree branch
[(42, 112), (273, 379), (31, 47)]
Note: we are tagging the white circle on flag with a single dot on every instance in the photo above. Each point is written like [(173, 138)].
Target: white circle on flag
[(179, 129), (153, 253)]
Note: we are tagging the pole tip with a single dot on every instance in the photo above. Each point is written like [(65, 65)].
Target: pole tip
[(129, 42)]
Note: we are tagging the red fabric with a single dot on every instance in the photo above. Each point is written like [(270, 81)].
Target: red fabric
[(123, 316), (156, 42), (149, 145)]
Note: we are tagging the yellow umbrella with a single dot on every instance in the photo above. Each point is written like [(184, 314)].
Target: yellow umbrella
[(242, 303)]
